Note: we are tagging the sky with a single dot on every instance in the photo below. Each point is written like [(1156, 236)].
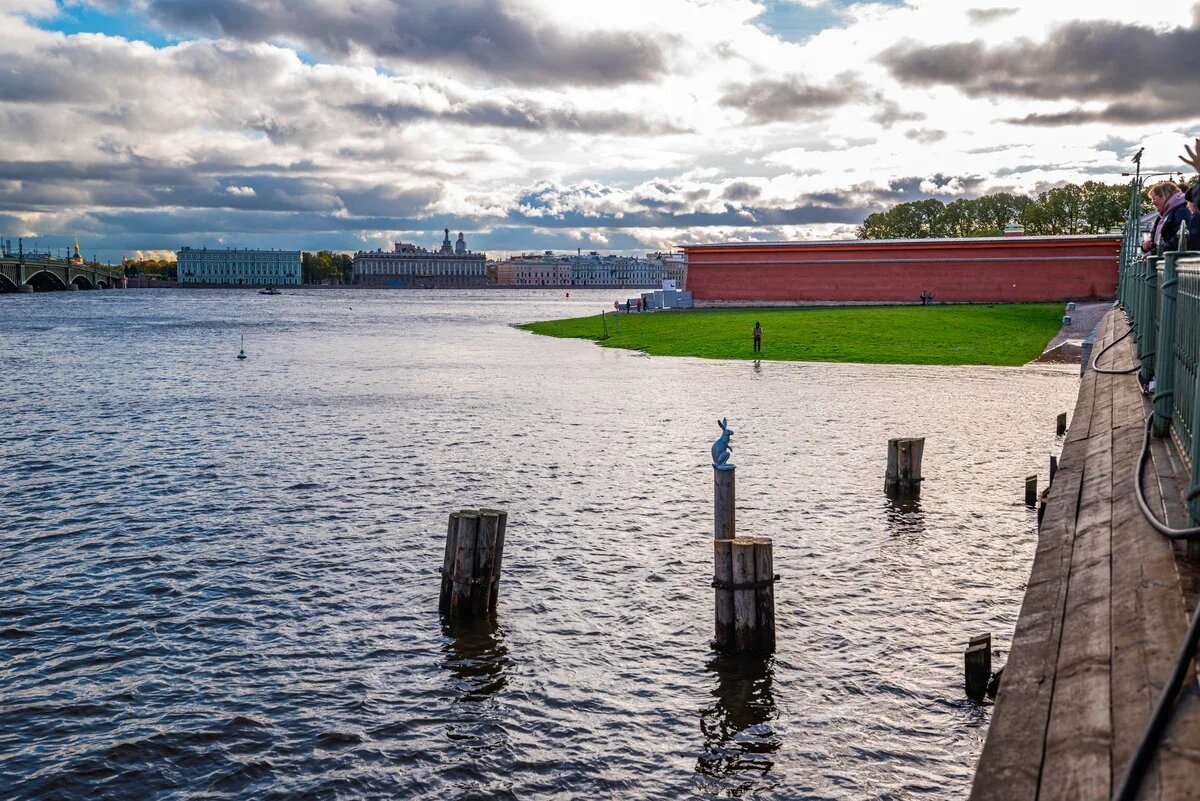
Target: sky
[(625, 126)]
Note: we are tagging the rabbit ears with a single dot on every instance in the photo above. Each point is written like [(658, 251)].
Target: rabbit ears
[(723, 423)]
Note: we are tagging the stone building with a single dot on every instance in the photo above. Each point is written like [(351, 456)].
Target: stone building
[(411, 267)]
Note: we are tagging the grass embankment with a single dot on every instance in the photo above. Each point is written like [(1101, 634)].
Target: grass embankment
[(1004, 334)]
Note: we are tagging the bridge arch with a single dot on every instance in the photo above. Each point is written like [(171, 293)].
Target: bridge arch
[(102, 284), (6, 284), (83, 282), (45, 281)]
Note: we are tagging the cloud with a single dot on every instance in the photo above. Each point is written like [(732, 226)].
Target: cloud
[(500, 38), (791, 98), (1124, 66), (890, 113), (521, 114), (240, 191), (982, 16), (925, 136)]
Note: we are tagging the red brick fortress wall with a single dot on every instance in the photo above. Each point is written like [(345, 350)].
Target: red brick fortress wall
[(993, 269)]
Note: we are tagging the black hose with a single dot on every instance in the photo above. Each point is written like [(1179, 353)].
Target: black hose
[(1104, 350), (1161, 528)]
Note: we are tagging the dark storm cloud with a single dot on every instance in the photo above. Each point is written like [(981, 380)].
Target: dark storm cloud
[(790, 98), (982, 16), (489, 36), (53, 185), (741, 191), (522, 115), (1127, 66)]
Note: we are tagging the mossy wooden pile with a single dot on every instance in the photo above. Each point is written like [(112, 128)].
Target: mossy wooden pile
[(1003, 334)]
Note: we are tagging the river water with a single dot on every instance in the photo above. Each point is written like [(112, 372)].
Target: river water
[(218, 578)]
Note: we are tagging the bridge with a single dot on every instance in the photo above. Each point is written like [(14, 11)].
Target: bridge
[(43, 273)]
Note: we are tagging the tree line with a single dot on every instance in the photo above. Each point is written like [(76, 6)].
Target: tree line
[(1088, 208), (325, 265)]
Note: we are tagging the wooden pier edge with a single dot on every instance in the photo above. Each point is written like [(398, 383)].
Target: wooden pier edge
[(1101, 621)]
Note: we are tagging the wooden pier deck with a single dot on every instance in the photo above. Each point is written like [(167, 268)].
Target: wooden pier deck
[(1105, 611)]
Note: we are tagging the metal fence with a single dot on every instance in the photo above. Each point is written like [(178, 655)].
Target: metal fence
[(1161, 296)]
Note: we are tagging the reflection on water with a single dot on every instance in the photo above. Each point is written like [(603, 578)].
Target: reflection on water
[(475, 657), (904, 518), (739, 742)]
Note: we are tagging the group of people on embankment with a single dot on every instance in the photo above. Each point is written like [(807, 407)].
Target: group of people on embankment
[(1178, 208)]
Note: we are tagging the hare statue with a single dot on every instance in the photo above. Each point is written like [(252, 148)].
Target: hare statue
[(721, 449)]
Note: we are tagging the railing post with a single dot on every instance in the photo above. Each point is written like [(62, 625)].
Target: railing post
[(1147, 333), (1164, 348)]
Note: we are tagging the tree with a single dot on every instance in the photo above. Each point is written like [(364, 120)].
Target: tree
[(325, 265), (1092, 208)]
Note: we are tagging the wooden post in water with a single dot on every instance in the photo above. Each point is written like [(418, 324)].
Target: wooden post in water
[(1053, 468), (745, 610), (1031, 491), (904, 466), (743, 577), (723, 583), (464, 562), (745, 595), (448, 563), (724, 497), (471, 565), (498, 559), (764, 594), (485, 553), (978, 666), (1060, 425)]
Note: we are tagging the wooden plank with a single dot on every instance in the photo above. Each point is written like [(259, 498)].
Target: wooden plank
[(1081, 419), (1165, 616), (1133, 698), (1129, 405), (1010, 765), (1077, 764)]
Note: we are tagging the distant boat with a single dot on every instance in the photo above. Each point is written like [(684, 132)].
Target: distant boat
[(269, 291), (242, 352)]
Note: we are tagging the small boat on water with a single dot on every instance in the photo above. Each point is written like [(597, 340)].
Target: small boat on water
[(269, 291)]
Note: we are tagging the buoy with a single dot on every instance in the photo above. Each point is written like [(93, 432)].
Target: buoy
[(242, 352)]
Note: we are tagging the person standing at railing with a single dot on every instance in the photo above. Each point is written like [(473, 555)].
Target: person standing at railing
[(1172, 209)]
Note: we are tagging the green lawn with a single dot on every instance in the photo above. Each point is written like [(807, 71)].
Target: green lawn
[(1004, 334)]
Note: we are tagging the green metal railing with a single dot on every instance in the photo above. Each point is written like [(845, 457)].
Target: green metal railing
[(1161, 296)]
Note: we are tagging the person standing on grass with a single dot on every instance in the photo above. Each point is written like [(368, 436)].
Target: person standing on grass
[(757, 337)]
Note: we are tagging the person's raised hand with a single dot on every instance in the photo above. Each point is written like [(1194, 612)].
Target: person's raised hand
[(1193, 156)]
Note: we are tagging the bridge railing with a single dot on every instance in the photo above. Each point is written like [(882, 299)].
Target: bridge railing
[(1161, 297)]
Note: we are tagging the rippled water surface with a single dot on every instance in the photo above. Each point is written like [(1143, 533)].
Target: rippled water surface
[(217, 578)]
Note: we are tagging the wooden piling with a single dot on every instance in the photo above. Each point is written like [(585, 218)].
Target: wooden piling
[(464, 562), (724, 497), (481, 573), (1053, 468), (498, 559), (745, 609), (1060, 425), (723, 583), (743, 578), (764, 575), (448, 563), (1031, 494), (904, 466), (471, 564), (978, 666)]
